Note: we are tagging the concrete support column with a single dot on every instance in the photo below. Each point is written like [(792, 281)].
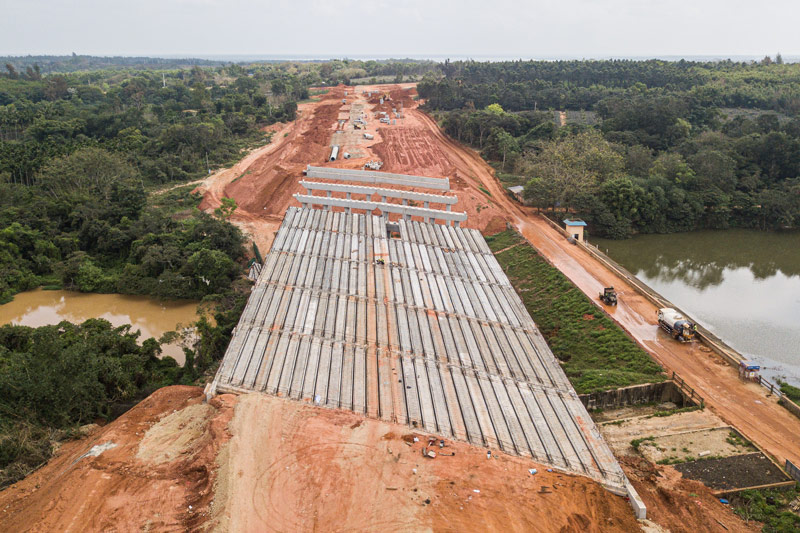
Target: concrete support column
[(405, 201), (383, 199), (348, 196), (369, 197), (427, 205), (407, 217), (328, 194), (448, 207), (431, 220), (458, 224)]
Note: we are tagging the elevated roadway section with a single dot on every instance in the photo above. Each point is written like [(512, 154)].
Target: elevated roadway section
[(424, 329)]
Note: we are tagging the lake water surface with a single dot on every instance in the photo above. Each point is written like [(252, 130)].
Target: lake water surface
[(743, 285), (152, 317)]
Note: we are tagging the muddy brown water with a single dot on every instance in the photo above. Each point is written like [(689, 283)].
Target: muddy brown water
[(151, 317), (743, 285)]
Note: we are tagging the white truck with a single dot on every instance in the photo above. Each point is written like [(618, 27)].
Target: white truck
[(677, 325)]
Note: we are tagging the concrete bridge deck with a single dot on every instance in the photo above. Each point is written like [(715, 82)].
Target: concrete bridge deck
[(424, 330)]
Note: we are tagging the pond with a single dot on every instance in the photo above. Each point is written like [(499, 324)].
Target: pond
[(152, 317), (743, 285)]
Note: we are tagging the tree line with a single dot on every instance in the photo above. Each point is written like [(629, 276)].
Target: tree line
[(672, 146)]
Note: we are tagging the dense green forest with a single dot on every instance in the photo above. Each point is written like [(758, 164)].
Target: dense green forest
[(648, 147)]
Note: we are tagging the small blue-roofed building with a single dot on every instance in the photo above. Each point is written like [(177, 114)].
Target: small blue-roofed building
[(575, 229), (749, 370)]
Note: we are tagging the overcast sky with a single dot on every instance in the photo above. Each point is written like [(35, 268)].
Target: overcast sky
[(379, 28)]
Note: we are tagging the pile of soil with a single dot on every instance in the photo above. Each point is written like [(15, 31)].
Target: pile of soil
[(735, 472), (152, 469), (677, 504)]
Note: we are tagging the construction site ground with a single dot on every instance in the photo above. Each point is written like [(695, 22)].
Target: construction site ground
[(728, 473), (619, 433), (294, 467), (280, 463), (699, 444), (416, 145), (259, 463)]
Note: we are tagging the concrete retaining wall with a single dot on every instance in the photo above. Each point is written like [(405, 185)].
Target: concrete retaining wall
[(790, 405), (639, 508), (667, 391), (792, 470)]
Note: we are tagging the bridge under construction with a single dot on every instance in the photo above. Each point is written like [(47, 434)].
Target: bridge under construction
[(400, 318)]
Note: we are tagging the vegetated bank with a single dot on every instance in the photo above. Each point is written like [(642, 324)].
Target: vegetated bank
[(595, 353), (778, 510), (790, 391), (101, 234), (649, 146), (151, 316)]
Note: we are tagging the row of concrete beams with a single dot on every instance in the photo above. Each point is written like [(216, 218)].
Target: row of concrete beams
[(372, 176), (427, 199), (429, 215)]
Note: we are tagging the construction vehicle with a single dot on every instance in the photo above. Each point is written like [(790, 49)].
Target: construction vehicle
[(609, 296), (678, 326)]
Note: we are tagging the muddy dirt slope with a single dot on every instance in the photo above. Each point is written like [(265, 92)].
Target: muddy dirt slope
[(257, 463), (150, 470)]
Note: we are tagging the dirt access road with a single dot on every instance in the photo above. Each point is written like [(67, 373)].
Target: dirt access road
[(263, 184)]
